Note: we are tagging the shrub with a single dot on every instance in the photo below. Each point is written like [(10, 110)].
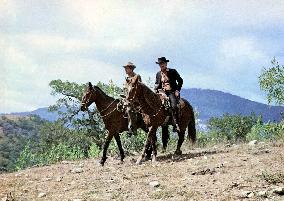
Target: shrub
[(267, 131), (28, 157), (231, 128)]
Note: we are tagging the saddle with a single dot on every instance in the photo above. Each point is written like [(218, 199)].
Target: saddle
[(167, 105), (166, 100)]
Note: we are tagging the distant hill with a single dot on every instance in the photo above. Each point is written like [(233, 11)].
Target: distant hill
[(209, 103), (213, 103), (42, 112)]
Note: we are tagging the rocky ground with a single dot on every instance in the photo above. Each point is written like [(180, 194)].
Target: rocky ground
[(236, 172)]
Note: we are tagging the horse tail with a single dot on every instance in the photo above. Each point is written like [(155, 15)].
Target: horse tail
[(191, 129)]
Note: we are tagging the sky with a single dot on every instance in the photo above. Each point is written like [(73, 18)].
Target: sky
[(213, 44)]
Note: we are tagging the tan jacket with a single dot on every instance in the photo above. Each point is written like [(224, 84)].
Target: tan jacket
[(127, 80)]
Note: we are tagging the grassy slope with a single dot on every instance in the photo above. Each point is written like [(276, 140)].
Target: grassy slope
[(219, 173)]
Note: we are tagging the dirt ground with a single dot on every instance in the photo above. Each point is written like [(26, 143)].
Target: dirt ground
[(237, 172)]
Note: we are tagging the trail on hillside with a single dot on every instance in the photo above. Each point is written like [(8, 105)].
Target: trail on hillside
[(238, 172)]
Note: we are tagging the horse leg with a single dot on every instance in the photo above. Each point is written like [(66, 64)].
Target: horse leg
[(148, 151), (150, 141), (165, 137), (104, 157), (154, 145), (118, 142), (146, 146), (180, 141)]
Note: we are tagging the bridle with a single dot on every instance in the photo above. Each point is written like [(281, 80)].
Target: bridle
[(134, 96), (87, 108)]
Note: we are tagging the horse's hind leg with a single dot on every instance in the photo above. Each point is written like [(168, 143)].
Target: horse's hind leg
[(165, 137), (118, 142), (104, 157), (180, 141)]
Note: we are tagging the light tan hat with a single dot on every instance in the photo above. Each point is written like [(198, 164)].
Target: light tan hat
[(130, 64)]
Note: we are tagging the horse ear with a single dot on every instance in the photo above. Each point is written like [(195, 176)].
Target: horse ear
[(90, 86)]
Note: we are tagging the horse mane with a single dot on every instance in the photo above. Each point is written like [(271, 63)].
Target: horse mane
[(102, 92), (152, 99)]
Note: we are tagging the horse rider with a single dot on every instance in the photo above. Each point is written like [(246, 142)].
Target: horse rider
[(170, 82), (131, 113)]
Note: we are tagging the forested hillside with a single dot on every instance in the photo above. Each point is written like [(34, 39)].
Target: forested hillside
[(213, 103), (15, 131)]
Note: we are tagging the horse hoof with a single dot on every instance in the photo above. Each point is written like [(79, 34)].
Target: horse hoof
[(100, 163), (154, 160), (139, 161), (178, 152)]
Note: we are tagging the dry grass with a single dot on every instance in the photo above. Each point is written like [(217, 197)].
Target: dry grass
[(226, 172)]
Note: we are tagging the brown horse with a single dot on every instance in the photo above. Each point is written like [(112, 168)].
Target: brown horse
[(154, 114), (114, 120)]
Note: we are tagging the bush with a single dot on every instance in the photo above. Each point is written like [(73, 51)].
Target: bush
[(28, 157), (130, 144), (231, 128), (267, 131), (94, 151)]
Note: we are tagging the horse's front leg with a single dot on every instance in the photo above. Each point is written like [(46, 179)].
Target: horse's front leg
[(154, 144), (151, 139), (108, 139), (147, 145), (118, 142)]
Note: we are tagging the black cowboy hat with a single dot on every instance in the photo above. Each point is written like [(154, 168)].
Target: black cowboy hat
[(162, 60), (130, 64)]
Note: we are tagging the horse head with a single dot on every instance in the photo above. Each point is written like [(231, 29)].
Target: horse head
[(88, 97), (132, 89)]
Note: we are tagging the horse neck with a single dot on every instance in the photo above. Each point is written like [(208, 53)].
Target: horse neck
[(101, 99), (149, 101)]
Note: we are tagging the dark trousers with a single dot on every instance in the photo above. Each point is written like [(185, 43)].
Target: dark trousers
[(173, 99)]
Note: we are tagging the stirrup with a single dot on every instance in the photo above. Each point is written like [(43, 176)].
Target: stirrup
[(131, 132), (176, 128)]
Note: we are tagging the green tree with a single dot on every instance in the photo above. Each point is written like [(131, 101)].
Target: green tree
[(68, 108), (271, 80), (232, 128)]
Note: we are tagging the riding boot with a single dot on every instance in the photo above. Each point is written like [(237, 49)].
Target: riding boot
[(132, 126), (175, 121)]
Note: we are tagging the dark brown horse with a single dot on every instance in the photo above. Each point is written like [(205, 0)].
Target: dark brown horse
[(114, 120), (154, 114)]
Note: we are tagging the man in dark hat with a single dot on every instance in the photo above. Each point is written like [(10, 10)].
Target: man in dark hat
[(170, 82), (132, 115)]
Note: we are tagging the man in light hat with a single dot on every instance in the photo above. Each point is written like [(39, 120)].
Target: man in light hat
[(170, 82), (132, 115)]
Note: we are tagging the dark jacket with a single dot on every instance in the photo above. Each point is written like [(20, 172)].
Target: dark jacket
[(175, 80)]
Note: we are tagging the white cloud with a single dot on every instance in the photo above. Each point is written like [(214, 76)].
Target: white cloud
[(249, 13), (8, 10), (50, 42), (129, 25), (34, 51), (84, 70), (239, 54)]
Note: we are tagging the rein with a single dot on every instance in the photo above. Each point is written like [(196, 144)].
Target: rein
[(108, 106), (109, 112), (84, 104)]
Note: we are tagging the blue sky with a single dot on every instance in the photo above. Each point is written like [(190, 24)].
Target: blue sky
[(220, 45)]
